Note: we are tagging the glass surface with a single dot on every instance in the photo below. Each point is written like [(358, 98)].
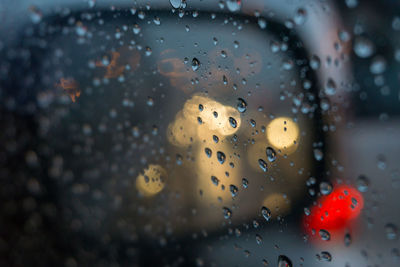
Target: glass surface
[(230, 133)]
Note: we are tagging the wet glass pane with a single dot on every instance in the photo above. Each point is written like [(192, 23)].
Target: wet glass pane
[(209, 133)]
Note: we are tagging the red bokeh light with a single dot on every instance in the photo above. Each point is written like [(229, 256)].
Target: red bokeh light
[(334, 212)]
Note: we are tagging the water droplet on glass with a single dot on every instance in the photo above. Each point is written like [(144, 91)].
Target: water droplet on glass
[(259, 239), (271, 154), (232, 122), (148, 51), (136, 28), (262, 23), (325, 188), (224, 80), (263, 165), (214, 180), (241, 105), (300, 17), (245, 183), (391, 231), (195, 64), (326, 256), (208, 152), (330, 87), (216, 139), (284, 261), (150, 101), (362, 183), (223, 54), (266, 213), (157, 21), (234, 190), (234, 5), (179, 159), (325, 235), (347, 239), (363, 47), (378, 65), (318, 155), (344, 36), (221, 157), (315, 62), (227, 213)]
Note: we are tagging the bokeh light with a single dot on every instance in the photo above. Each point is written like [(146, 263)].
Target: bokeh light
[(283, 134), (152, 181)]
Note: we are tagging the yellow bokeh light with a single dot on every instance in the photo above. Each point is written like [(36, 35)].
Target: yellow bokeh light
[(182, 131), (283, 134), (152, 181), (206, 167), (214, 115)]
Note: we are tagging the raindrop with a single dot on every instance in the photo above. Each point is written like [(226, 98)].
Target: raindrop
[(363, 47), (347, 239), (241, 105), (245, 183), (378, 65), (325, 188), (223, 54), (318, 155), (234, 190), (391, 231), (325, 235), (300, 16), (215, 180), (259, 239), (195, 64), (326, 256), (351, 3), (175, 3), (150, 101), (255, 224), (263, 165), (221, 157), (141, 15), (157, 21), (266, 213), (362, 183), (234, 5), (179, 159), (208, 152), (136, 28), (224, 80), (344, 36), (262, 23), (315, 62), (232, 122), (216, 139), (330, 87), (227, 213), (148, 51), (271, 154), (284, 261)]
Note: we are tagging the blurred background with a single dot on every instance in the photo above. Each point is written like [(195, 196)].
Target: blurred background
[(199, 133)]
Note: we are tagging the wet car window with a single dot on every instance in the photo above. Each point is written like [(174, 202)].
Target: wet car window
[(199, 133)]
